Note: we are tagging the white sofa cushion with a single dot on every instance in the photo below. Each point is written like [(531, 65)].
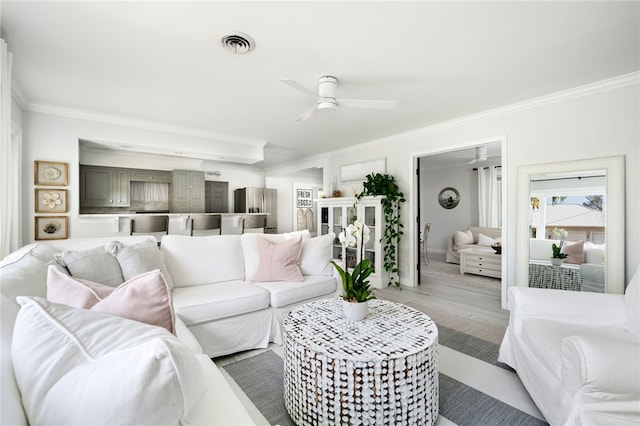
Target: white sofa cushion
[(202, 303), (594, 253), (316, 255), (195, 261), (72, 367), (285, 293)]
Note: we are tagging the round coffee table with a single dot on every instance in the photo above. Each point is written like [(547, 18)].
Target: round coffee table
[(382, 370)]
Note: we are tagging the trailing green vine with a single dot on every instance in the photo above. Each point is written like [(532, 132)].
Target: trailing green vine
[(385, 185)]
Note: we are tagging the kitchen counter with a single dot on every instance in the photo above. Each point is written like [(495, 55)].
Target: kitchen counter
[(105, 224)]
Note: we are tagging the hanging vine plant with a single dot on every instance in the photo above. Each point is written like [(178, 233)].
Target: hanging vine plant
[(385, 185)]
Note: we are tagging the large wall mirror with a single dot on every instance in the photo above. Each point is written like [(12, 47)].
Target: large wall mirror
[(583, 201)]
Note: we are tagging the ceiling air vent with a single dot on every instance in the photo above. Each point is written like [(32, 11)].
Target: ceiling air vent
[(237, 43)]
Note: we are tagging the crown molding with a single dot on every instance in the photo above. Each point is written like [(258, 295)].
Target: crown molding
[(142, 124)]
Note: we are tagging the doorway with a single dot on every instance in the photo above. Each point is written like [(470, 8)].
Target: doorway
[(216, 197), (438, 171)]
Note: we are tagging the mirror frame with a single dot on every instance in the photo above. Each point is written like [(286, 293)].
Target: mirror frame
[(614, 222)]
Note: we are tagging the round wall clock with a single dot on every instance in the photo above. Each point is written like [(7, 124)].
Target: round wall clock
[(449, 197)]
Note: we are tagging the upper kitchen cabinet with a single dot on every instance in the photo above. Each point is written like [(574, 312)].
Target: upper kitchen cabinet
[(104, 187), (158, 176), (187, 192)]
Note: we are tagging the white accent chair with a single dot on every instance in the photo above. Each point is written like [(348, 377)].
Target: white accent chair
[(577, 353)]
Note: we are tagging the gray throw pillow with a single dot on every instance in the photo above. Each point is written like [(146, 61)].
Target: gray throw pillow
[(96, 264), (136, 259)]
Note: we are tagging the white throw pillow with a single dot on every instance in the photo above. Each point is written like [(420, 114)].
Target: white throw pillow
[(78, 367), (136, 259), (485, 241), (462, 238), (316, 255)]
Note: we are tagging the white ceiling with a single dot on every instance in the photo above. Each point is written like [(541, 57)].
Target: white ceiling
[(161, 63)]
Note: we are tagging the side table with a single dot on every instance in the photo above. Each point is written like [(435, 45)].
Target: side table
[(480, 262), (382, 370)]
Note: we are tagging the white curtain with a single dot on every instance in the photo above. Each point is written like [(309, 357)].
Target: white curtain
[(10, 163), (488, 213), (149, 191)]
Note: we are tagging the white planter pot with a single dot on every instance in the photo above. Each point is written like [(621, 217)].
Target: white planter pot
[(355, 311), (555, 261)]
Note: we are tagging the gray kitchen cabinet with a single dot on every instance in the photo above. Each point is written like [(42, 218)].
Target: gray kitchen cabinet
[(159, 176), (187, 192), (104, 187)]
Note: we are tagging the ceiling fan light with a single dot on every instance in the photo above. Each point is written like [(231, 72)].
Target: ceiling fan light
[(326, 106)]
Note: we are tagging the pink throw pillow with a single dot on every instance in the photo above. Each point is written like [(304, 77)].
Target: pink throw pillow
[(575, 252), (145, 298), (278, 262)]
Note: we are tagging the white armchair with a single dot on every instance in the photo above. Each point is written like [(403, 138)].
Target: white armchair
[(577, 353)]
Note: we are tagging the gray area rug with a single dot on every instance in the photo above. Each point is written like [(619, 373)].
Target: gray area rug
[(261, 379)]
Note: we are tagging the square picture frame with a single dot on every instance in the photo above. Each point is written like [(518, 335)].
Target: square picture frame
[(50, 173), (49, 200), (51, 228)]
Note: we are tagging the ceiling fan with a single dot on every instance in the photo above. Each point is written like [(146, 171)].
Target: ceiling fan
[(326, 98), (481, 155)]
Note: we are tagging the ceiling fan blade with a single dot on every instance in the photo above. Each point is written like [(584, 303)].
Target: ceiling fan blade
[(298, 86), (308, 113), (365, 103)]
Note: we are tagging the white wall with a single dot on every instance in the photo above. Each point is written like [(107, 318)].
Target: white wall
[(54, 138), (567, 126), (444, 222)]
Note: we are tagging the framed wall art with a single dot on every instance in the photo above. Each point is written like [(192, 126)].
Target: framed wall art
[(51, 228), (50, 173), (51, 200), (449, 197)]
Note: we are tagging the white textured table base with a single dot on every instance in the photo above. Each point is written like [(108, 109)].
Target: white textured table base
[(383, 370)]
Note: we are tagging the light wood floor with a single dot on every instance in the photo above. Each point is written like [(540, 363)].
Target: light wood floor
[(443, 287)]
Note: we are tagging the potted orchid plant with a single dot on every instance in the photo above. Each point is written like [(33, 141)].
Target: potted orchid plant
[(355, 285), (557, 254)]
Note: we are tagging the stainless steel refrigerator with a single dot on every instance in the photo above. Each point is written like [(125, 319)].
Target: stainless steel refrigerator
[(258, 200)]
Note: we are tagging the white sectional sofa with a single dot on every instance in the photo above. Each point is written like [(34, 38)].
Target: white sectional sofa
[(218, 311), (577, 353)]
